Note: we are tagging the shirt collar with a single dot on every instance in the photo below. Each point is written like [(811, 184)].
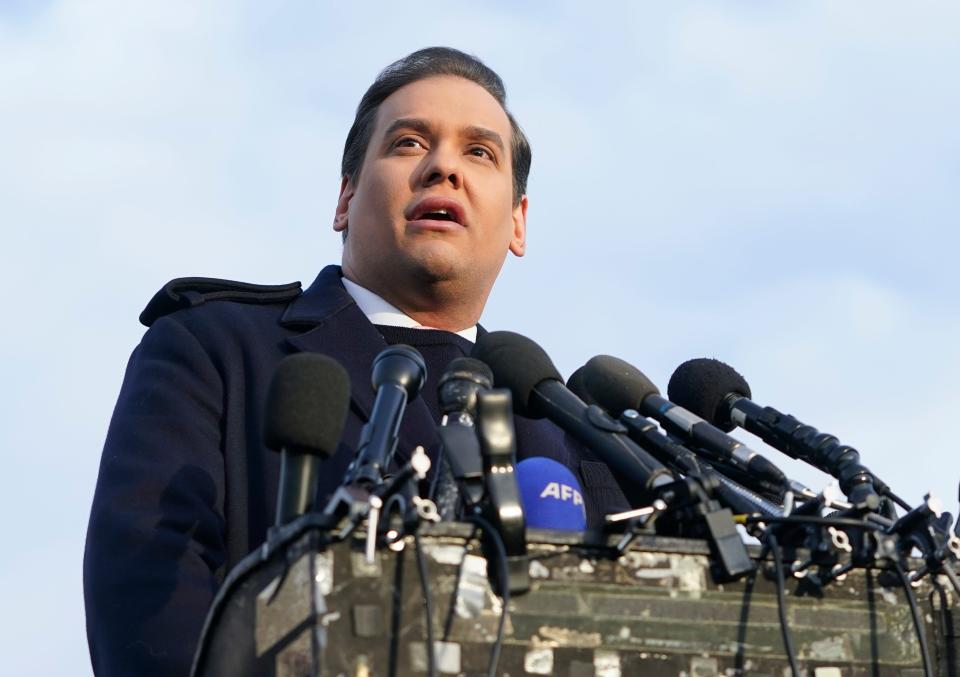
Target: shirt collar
[(379, 311)]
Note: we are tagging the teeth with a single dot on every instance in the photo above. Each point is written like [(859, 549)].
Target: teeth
[(445, 213)]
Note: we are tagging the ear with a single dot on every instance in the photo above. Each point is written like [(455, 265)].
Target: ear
[(343, 205), (518, 245)]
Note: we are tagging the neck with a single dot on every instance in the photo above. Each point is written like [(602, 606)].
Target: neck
[(439, 305)]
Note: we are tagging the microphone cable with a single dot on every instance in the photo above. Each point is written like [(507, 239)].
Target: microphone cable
[(899, 501), (393, 653), (400, 502), (774, 547), (442, 465), (951, 576), (839, 522), (427, 603), (917, 620), (847, 522), (501, 548)]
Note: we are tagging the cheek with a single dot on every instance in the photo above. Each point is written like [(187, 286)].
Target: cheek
[(371, 207), (384, 195), (499, 198)]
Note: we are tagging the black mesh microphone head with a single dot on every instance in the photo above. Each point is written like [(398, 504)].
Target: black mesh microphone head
[(306, 405), (460, 383), (577, 383), (402, 365), (616, 385), (701, 385), (518, 364), (468, 368)]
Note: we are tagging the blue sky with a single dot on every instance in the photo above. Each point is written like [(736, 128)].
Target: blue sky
[(772, 184)]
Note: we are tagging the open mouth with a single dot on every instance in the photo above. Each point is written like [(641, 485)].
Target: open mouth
[(439, 215), (437, 209)]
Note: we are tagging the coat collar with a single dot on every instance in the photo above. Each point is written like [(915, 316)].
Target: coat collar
[(322, 299), (333, 324)]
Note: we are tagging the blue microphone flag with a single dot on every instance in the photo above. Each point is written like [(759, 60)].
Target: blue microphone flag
[(550, 494)]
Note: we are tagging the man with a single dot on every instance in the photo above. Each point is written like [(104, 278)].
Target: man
[(432, 199)]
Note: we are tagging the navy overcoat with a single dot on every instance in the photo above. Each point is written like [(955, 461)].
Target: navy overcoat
[(186, 487)]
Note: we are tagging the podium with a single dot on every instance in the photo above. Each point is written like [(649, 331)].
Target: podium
[(311, 604)]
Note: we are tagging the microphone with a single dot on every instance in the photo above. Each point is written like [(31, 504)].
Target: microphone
[(641, 430), (398, 375), (623, 389), (498, 448), (648, 435), (460, 466), (550, 495), (304, 415), (538, 391), (716, 391), (619, 386)]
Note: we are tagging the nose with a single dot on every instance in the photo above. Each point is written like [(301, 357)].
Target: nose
[(442, 165)]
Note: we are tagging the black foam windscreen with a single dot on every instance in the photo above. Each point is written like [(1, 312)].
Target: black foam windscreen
[(469, 368), (518, 364), (578, 385), (307, 404), (701, 385), (616, 385)]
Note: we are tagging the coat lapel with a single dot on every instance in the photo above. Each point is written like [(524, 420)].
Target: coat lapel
[(334, 325)]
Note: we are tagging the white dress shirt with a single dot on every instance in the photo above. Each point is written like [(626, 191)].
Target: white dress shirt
[(378, 311)]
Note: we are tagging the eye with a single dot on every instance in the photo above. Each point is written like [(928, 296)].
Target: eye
[(408, 142), (482, 152)]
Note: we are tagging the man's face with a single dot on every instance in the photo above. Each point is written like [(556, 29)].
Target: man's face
[(434, 199)]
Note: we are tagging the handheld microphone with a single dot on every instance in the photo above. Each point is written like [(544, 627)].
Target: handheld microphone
[(461, 466), (619, 386), (550, 494), (398, 375), (538, 391), (306, 408), (716, 391)]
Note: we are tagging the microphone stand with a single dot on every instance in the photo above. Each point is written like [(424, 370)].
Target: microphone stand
[(928, 529), (351, 503), (686, 507)]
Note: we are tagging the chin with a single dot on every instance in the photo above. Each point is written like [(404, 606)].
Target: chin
[(435, 264), (434, 272)]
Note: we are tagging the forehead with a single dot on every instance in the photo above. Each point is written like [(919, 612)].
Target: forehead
[(447, 102)]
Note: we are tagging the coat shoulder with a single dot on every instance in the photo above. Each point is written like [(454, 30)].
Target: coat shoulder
[(190, 292)]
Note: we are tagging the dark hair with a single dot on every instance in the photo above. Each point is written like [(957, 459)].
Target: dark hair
[(422, 64)]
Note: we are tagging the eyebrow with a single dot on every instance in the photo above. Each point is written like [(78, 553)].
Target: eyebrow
[(484, 134), (415, 124), (421, 126)]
